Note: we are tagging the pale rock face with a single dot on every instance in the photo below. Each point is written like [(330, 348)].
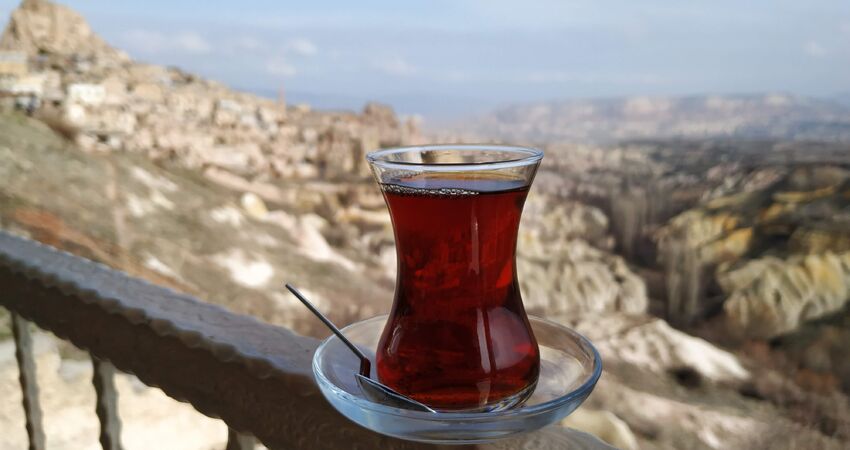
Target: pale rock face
[(139, 73), (697, 228), (115, 90), (154, 182), (657, 347), (244, 269), (767, 296), (376, 112), (641, 355), (309, 135), (678, 422), (227, 215), (75, 114), (572, 276), (269, 116), (139, 206), (239, 159), (147, 92), (603, 424), (550, 222), (771, 296), (109, 122), (39, 25), (307, 232), (86, 94), (253, 205), (153, 263), (559, 271)]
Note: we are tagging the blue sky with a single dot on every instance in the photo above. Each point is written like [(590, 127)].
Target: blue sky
[(458, 56)]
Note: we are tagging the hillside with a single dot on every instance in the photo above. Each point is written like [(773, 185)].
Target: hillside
[(172, 227), (768, 116)]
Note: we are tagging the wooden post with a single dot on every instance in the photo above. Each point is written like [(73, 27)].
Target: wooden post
[(29, 384), (107, 404), (239, 441)]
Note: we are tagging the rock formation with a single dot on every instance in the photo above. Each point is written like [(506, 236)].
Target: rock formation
[(571, 276), (670, 390), (770, 296), (117, 104), (40, 27), (794, 217)]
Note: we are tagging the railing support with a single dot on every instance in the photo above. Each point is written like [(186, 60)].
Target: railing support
[(29, 384), (239, 441), (107, 404)]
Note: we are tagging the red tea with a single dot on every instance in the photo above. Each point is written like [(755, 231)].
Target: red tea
[(458, 336)]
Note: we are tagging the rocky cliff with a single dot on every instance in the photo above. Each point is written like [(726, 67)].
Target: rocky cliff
[(775, 251), (40, 27)]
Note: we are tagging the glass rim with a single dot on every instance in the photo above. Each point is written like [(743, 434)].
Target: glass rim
[(524, 156)]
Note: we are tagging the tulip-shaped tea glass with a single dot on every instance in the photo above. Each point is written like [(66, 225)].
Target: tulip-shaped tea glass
[(457, 338)]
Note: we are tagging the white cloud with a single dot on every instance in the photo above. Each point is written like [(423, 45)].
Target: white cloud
[(152, 42), (248, 43), (814, 49), (301, 47), (454, 75), (280, 67), (395, 66), (145, 41), (192, 42)]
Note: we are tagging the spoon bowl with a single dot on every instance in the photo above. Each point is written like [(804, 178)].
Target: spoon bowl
[(372, 389)]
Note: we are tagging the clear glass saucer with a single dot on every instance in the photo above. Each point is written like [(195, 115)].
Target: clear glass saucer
[(569, 369)]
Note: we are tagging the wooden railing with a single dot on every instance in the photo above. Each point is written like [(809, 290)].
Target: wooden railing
[(254, 376)]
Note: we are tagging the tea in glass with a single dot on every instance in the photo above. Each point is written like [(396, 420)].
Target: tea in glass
[(457, 337)]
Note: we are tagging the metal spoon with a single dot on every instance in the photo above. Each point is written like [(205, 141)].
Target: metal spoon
[(374, 390)]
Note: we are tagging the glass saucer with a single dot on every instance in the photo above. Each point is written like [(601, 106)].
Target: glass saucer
[(569, 369)]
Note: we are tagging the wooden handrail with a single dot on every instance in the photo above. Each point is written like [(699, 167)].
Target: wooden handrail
[(254, 376)]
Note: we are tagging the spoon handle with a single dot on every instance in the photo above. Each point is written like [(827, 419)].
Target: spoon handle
[(365, 365)]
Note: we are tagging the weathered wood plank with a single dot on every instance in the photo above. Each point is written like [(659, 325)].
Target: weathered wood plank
[(239, 441), (29, 385), (106, 404)]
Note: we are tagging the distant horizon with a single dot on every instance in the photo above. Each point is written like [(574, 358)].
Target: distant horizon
[(449, 59), (457, 108)]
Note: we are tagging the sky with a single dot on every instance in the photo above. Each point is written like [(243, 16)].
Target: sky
[(456, 57)]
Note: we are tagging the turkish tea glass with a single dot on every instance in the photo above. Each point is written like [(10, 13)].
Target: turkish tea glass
[(457, 338)]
